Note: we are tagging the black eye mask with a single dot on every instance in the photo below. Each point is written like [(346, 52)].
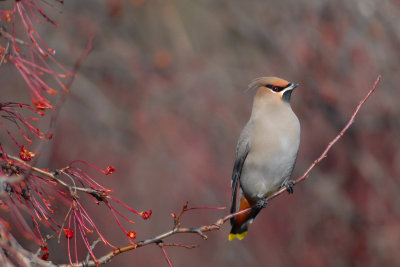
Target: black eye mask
[(276, 88)]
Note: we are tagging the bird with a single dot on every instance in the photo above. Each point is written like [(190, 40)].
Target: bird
[(266, 151)]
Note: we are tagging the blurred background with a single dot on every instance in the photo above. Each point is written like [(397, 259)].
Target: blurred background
[(162, 98)]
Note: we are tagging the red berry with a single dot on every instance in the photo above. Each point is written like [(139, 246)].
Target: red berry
[(131, 234), (68, 233), (146, 214), (109, 170)]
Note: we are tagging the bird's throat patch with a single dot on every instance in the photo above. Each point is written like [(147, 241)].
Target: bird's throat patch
[(286, 95)]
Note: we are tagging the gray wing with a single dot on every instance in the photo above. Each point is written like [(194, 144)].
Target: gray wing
[(242, 150)]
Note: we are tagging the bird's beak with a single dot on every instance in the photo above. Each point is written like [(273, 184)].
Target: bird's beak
[(285, 94), (289, 88), (292, 86)]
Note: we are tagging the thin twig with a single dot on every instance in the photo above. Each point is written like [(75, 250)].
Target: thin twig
[(178, 245), (24, 257), (44, 243), (165, 254), (53, 176), (6, 35), (92, 248), (178, 217), (5, 53)]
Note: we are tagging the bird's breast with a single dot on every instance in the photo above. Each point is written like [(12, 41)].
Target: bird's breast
[(272, 155)]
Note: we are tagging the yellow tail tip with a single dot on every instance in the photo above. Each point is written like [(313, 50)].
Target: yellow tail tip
[(238, 236)]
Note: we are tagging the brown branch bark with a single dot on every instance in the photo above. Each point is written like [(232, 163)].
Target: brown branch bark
[(16, 252), (217, 225)]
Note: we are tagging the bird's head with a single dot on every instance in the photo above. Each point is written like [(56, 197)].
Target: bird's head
[(273, 88)]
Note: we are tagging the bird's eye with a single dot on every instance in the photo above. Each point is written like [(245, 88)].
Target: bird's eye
[(274, 88)]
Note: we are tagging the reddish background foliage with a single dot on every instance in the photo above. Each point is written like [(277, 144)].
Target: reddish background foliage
[(161, 98)]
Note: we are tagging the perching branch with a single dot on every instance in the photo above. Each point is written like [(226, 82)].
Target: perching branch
[(159, 239), (177, 229)]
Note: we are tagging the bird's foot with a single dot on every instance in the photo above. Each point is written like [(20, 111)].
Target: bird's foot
[(289, 186), (262, 203)]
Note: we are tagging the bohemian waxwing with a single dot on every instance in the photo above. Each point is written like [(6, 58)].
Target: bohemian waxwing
[(266, 151)]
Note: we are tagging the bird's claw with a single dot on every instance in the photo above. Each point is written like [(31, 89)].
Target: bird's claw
[(262, 203), (289, 186)]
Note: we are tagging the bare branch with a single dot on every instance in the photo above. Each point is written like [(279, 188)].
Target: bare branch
[(15, 250), (178, 245), (53, 176), (92, 247), (9, 37), (44, 243), (5, 53)]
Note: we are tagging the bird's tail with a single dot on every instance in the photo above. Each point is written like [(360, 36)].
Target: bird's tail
[(241, 222)]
